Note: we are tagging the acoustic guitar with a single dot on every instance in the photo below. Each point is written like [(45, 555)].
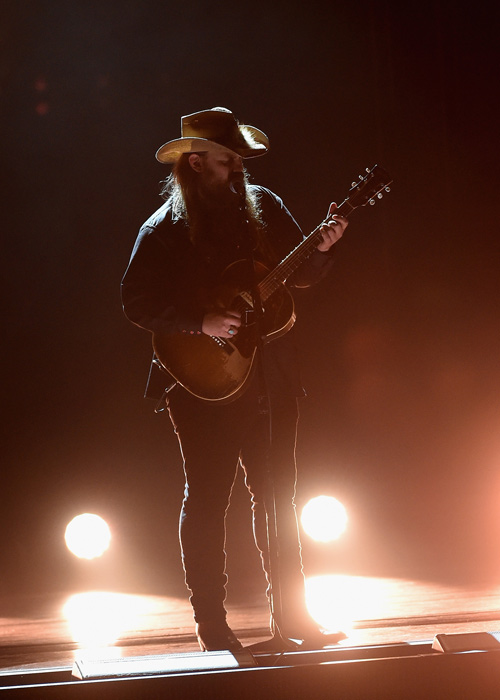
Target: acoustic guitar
[(217, 369)]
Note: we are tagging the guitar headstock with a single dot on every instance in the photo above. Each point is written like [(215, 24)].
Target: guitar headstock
[(368, 188)]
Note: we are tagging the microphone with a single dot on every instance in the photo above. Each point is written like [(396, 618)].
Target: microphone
[(237, 184)]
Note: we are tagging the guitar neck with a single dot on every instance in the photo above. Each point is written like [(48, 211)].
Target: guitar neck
[(297, 256), (365, 191)]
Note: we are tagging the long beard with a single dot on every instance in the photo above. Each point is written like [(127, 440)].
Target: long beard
[(221, 195), (199, 210)]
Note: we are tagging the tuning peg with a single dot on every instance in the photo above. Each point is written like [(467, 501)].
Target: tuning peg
[(367, 170), (380, 195), (371, 202), (353, 184), (387, 189), (360, 177)]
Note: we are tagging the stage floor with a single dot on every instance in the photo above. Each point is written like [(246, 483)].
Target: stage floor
[(49, 632)]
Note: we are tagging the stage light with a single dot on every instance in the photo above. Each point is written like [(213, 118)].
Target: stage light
[(87, 536), (324, 518)]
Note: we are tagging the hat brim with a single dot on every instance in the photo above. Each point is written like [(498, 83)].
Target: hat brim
[(171, 151)]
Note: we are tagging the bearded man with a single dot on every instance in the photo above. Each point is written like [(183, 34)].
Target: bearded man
[(212, 218)]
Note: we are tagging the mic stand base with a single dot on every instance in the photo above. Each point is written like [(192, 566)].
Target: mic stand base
[(276, 645)]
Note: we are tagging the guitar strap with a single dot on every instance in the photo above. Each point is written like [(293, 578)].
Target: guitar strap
[(157, 386)]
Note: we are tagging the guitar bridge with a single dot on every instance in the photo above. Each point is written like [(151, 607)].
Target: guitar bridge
[(248, 312), (223, 344), (248, 317)]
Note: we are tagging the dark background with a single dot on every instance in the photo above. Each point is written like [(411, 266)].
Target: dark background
[(400, 345)]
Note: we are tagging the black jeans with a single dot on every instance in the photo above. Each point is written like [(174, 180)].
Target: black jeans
[(214, 441)]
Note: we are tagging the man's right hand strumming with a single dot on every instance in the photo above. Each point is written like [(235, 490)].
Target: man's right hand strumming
[(223, 324)]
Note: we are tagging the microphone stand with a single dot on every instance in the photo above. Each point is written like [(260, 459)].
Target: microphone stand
[(278, 642)]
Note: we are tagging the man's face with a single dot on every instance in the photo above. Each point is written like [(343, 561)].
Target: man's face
[(216, 171)]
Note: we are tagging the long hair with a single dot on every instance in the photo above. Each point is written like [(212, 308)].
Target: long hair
[(181, 190)]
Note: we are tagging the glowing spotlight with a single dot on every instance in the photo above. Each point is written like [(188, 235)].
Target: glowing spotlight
[(87, 536), (324, 518)]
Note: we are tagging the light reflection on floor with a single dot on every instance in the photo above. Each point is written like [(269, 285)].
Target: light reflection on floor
[(336, 602), (368, 609), (104, 624), (354, 604), (100, 620)]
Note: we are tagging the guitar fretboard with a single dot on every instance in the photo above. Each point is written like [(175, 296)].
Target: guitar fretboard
[(297, 256)]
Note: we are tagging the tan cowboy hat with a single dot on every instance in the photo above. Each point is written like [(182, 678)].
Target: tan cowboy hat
[(213, 130)]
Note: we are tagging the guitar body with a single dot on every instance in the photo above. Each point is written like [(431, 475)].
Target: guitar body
[(217, 369)]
